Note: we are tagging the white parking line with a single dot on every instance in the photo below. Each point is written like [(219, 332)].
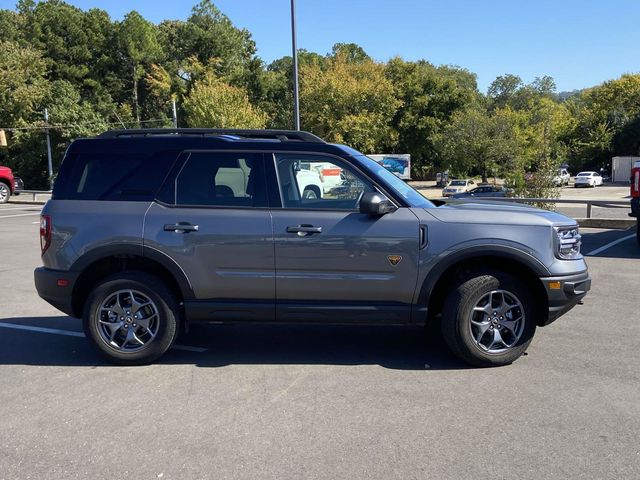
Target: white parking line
[(20, 207), (21, 215), (56, 331), (70, 333), (610, 244)]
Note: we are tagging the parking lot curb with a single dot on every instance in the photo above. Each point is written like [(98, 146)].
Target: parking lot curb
[(610, 223)]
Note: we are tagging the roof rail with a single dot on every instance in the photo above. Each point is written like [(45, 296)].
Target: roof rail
[(282, 135)]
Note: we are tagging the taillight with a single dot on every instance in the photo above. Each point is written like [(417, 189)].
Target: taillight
[(45, 232), (635, 186)]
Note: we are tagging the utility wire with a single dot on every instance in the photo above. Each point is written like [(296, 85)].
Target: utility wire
[(53, 126)]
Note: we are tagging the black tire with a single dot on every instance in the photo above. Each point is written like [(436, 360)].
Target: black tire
[(167, 310), (457, 314), (311, 193)]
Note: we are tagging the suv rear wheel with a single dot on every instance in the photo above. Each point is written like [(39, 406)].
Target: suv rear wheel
[(131, 318), (488, 320)]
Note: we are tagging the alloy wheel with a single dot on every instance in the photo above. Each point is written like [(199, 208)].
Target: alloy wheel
[(4, 193), (127, 320), (497, 322)]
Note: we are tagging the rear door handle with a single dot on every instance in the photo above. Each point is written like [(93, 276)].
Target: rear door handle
[(303, 230), (183, 227)]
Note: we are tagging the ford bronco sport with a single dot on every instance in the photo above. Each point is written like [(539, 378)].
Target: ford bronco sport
[(148, 230)]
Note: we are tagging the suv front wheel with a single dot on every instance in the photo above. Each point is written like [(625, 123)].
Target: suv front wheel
[(131, 318), (488, 320)]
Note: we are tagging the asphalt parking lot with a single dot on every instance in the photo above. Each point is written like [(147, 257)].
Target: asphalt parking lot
[(320, 402)]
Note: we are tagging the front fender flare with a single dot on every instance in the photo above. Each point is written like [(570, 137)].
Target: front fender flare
[(508, 252)]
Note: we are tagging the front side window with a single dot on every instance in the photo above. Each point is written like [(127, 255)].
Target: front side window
[(222, 179), (318, 182)]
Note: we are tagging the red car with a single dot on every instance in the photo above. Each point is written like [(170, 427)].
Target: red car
[(6, 184), (635, 195)]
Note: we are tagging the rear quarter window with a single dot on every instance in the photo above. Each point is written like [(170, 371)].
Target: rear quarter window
[(113, 175)]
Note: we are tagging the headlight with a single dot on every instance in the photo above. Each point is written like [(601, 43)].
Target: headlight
[(568, 241)]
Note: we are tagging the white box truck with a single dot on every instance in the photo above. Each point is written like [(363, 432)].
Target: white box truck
[(621, 168)]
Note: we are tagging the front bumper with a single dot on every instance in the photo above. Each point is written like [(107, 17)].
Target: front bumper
[(564, 293), (56, 287)]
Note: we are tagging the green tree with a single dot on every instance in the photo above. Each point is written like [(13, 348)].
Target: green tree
[(214, 103), (22, 82), (23, 87), (11, 26), (139, 48), (350, 103), (351, 52), (605, 117), (274, 92), (209, 34), (430, 96), (503, 89), (478, 143)]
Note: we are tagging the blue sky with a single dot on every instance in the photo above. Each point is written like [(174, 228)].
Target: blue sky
[(580, 43)]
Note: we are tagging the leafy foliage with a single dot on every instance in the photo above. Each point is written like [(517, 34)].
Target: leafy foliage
[(349, 101), (213, 103)]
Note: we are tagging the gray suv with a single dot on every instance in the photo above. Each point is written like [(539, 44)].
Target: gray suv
[(150, 230)]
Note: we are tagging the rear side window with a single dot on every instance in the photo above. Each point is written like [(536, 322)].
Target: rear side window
[(223, 179), (114, 176)]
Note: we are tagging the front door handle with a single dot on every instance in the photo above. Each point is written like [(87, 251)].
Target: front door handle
[(183, 227), (303, 230)]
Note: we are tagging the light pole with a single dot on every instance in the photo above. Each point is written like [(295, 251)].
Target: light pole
[(49, 160), (296, 102)]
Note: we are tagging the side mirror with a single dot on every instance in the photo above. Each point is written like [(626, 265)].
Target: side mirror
[(374, 203)]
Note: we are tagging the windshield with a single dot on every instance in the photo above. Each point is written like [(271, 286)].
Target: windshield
[(413, 198), (586, 174), (458, 183)]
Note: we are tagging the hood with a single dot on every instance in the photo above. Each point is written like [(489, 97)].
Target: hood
[(497, 213)]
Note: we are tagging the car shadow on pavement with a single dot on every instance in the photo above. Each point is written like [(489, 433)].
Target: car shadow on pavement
[(402, 348)]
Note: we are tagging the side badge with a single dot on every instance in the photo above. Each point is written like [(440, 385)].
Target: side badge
[(394, 259)]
